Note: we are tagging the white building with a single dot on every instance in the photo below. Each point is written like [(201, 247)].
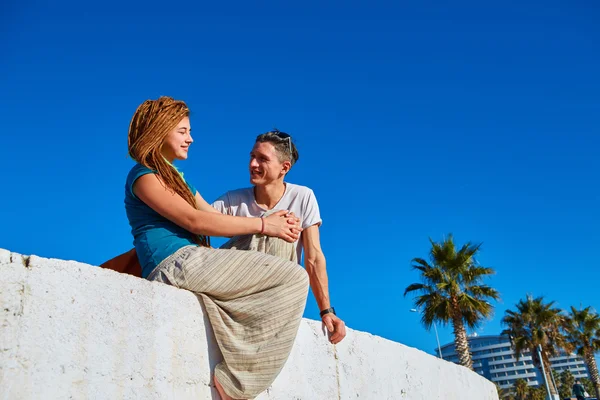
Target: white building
[(494, 358)]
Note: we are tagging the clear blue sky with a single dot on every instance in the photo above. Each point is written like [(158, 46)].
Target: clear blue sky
[(412, 121)]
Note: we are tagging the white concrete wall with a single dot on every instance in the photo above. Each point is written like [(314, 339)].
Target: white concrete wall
[(72, 331)]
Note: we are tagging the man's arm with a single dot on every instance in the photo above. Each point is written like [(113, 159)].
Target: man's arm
[(314, 261)]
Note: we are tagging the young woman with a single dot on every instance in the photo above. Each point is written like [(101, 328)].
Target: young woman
[(254, 301), (273, 155)]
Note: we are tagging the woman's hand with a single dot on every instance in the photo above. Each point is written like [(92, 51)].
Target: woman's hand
[(284, 225)]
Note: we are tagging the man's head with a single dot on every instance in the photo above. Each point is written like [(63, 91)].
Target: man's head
[(272, 157)]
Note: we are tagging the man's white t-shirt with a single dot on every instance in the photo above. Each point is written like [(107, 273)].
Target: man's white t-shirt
[(298, 199)]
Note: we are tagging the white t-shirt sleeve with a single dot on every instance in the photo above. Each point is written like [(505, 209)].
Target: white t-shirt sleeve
[(312, 216), (222, 204)]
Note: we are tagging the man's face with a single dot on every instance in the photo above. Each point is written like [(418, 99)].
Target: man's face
[(265, 166)]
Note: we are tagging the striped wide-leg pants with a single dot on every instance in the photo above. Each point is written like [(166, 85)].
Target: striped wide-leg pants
[(254, 302)]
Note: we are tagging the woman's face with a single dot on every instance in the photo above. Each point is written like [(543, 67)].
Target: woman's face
[(178, 141), (265, 166)]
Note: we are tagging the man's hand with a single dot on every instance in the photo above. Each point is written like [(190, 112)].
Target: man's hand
[(335, 327), (298, 227)]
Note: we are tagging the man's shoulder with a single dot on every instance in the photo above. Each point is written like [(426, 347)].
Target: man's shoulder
[(240, 195), (299, 189), (304, 198)]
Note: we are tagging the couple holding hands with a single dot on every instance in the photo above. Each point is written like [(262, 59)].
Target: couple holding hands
[(253, 288)]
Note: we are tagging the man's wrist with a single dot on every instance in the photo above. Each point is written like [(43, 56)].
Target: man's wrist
[(326, 311)]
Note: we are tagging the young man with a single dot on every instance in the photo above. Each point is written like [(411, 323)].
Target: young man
[(579, 391), (271, 158)]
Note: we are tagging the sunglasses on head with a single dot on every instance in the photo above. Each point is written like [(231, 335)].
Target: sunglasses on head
[(283, 135), (280, 134)]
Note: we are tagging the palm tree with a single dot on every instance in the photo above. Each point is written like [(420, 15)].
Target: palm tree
[(520, 386), (534, 324), (583, 333), (536, 393), (452, 291), (566, 380), (505, 394), (587, 384), (557, 382)]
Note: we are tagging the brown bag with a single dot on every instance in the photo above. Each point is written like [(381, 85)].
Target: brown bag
[(126, 263)]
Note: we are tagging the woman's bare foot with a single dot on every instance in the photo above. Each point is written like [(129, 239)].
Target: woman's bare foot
[(224, 396)]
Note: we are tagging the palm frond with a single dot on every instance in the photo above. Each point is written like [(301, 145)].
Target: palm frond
[(476, 273), (536, 322), (413, 287), (582, 329), (483, 291)]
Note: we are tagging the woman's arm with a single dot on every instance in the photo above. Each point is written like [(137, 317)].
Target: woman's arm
[(173, 207)]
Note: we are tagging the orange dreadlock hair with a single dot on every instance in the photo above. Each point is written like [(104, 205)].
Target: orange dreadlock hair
[(150, 125)]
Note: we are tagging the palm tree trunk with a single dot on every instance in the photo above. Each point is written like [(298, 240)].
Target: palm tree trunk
[(593, 368), (460, 339)]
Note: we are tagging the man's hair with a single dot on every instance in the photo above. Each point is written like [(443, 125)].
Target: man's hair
[(151, 123), (283, 143)]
